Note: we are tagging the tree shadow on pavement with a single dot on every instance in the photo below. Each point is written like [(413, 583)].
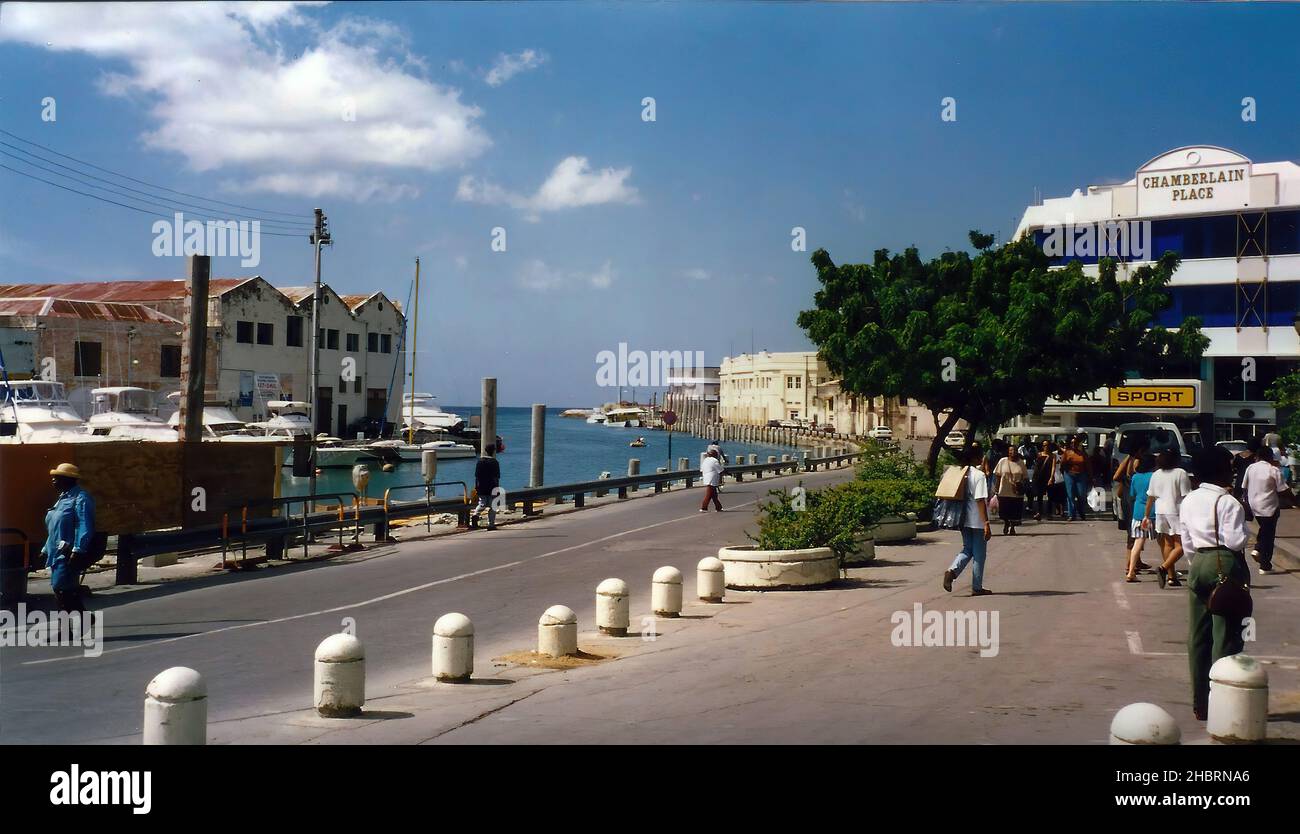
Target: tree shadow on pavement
[(855, 582), (1039, 593)]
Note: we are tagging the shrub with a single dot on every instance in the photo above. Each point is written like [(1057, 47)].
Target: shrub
[(828, 519)]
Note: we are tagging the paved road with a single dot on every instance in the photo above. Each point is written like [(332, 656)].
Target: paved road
[(253, 637), (1075, 644)]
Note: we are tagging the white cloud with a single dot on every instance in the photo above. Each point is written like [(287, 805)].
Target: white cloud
[(462, 263), (508, 66), (229, 91), (571, 184), (854, 207), (698, 274), (536, 275)]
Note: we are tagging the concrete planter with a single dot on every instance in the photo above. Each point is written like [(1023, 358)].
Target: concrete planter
[(749, 569), (894, 528), (864, 550)]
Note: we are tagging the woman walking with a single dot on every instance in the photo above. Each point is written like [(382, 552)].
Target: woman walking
[(1169, 486), (975, 530), (1139, 483), (1011, 476), (1042, 480)]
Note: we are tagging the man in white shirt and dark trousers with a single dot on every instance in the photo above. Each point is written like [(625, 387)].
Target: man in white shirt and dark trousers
[(1213, 526), (1261, 485), (711, 473)]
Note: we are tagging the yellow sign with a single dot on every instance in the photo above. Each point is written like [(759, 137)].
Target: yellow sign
[(1153, 396)]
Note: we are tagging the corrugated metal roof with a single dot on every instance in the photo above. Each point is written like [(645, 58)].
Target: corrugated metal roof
[(127, 291), (87, 310)]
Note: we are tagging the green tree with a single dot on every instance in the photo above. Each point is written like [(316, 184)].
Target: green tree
[(1285, 394), (990, 337)]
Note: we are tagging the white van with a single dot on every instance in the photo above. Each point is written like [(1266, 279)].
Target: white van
[(1095, 434), (1156, 437)]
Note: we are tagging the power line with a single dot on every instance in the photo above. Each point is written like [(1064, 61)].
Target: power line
[(142, 182), (114, 202), (155, 200)]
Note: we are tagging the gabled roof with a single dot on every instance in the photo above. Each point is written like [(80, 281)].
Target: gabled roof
[(86, 310), (127, 291)]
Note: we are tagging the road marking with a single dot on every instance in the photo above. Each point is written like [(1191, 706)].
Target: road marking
[(1120, 599), (403, 592), (1134, 642)]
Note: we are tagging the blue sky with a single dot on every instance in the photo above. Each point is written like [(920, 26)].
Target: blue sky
[(673, 234)]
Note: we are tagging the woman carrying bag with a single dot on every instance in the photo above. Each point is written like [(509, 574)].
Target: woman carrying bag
[(1011, 476)]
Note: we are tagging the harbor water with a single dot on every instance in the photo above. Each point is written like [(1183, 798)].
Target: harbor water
[(575, 451)]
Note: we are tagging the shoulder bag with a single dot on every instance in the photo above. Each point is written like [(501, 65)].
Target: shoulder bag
[(1229, 598), (950, 500)]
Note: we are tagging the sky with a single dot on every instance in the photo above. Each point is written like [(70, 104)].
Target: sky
[(420, 128)]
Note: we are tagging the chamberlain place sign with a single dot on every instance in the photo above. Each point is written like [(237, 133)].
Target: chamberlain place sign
[(1135, 395), (1194, 180)]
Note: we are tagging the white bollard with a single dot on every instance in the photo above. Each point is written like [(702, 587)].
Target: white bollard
[(710, 579), (1144, 724), (666, 592), (176, 708), (612, 614), (453, 648), (557, 632), (340, 686), (753, 460), (1238, 710)]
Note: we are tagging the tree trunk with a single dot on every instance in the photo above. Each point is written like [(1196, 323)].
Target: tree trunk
[(941, 433)]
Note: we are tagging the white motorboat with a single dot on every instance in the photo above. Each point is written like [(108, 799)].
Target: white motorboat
[(596, 417), (127, 412), (290, 420), (37, 411), (413, 452), (219, 423), (421, 414), (625, 417)]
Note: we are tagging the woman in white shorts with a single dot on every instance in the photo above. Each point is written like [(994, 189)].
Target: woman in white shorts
[(1139, 483), (1169, 485)]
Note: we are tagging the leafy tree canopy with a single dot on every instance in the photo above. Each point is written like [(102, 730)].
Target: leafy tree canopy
[(990, 337)]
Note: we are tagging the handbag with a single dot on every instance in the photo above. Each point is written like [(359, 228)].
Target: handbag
[(950, 512), (1229, 598)]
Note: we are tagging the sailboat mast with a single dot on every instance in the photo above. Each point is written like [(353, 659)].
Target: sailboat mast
[(415, 336)]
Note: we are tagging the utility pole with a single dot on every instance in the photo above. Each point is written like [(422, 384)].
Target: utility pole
[(320, 236), (415, 333)]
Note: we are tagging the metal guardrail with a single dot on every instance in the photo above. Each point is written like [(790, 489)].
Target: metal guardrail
[(462, 516), (275, 530)]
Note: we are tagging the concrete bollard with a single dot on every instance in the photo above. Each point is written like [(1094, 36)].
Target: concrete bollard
[(612, 607), (771, 458), (1144, 724), (340, 685), (785, 458), (753, 459), (1238, 710), (176, 708), (453, 648), (633, 469), (603, 476), (710, 579), (666, 592), (683, 464), (557, 632)]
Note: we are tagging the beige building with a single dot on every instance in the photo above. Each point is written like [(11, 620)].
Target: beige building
[(757, 388)]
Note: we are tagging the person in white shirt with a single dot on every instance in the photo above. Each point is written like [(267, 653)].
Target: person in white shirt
[(1213, 527), (711, 472), (1169, 485), (975, 531), (1262, 484)]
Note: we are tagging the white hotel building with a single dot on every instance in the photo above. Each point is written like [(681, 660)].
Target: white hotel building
[(1236, 225)]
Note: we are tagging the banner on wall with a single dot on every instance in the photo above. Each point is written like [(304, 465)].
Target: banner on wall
[(268, 387)]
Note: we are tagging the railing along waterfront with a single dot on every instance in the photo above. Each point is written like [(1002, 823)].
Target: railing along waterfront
[(276, 531)]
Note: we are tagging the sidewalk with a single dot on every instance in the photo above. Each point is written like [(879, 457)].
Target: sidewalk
[(1286, 553), (1076, 644)]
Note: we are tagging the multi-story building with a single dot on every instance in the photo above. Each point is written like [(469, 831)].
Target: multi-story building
[(96, 334), (1236, 225), (799, 386), (693, 392)]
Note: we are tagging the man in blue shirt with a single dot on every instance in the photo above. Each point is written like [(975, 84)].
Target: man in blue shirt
[(70, 525)]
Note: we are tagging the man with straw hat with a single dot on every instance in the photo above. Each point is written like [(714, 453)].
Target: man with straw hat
[(71, 526)]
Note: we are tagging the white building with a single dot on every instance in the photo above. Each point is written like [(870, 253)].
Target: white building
[(1236, 225), (258, 346)]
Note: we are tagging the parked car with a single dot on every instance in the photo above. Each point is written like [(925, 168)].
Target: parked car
[(774, 424), (881, 433), (955, 439), (1234, 446)]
